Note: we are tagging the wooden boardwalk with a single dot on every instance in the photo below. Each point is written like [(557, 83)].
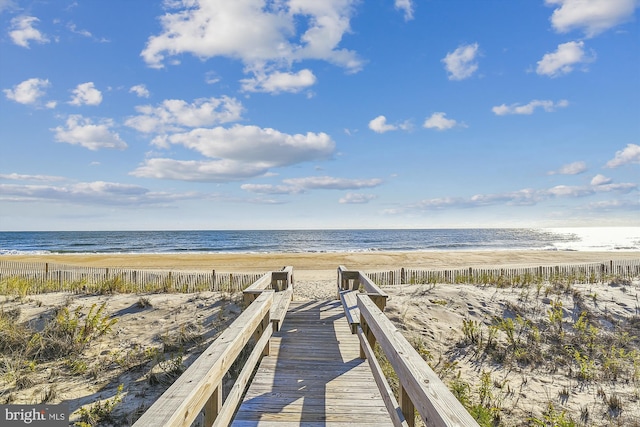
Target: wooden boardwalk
[(313, 367), (314, 375)]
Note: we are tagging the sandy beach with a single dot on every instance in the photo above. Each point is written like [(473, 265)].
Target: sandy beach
[(311, 266)]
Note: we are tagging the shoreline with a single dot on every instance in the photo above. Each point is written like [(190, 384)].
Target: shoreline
[(326, 261)]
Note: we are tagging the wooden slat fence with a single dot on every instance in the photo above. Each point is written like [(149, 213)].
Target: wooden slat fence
[(52, 277), (511, 275)]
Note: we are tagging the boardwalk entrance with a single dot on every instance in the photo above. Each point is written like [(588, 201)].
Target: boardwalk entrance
[(315, 366), (314, 375)]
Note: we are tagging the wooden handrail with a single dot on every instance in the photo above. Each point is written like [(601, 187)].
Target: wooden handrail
[(282, 280), (279, 281), (420, 387), (352, 280), (397, 417), (200, 386), (255, 289)]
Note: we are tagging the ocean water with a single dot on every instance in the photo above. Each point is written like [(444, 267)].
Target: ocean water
[(257, 241)]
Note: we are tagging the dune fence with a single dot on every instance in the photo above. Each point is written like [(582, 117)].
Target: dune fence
[(513, 275), (51, 277)]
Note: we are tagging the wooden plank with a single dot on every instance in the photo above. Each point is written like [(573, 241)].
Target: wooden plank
[(315, 404), (303, 414), (433, 400), (337, 394)]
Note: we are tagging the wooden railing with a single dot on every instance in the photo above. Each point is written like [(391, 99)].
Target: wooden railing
[(350, 280), (200, 386), (279, 281), (420, 387)]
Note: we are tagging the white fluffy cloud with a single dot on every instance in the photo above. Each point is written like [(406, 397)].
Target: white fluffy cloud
[(277, 82), (591, 16), (22, 31), (24, 177), (199, 170), (254, 144), (529, 108), (82, 131), (140, 90), (332, 183), (574, 168), (356, 198), (439, 121), (176, 114), (563, 60), (380, 125), (461, 63), (407, 7), (268, 37), (91, 193), (28, 91), (301, 185), (238, 152), (271, 189), (241, 29), (600, 180), (86, 94), (74, 29), (523, 197), (629, 155)]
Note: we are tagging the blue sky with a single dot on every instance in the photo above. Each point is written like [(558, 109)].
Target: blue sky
[(214, 114)]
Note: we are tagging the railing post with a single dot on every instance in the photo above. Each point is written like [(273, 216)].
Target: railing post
[(406, 406), (213, 406), (265, 323), (371, 339), (260, 330), (363, 326)]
